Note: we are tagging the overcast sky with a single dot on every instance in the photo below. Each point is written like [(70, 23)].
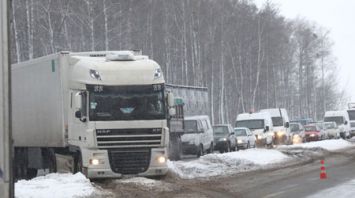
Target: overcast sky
[(339, 17)]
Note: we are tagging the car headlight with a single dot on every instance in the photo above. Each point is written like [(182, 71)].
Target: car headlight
[(296, 136), (312, 135), (260, 137), (223, 139), (280, 133), (240, 141)]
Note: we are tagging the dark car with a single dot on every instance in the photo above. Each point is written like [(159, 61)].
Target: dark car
[(224, 138)]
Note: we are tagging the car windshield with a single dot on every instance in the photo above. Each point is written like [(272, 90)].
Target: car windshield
[(339, 120), (310, 128), (190, 126), (250, 124), (330, 125), (107, 103), (277, 121), (294, 127), (220, 130), (240, 132)]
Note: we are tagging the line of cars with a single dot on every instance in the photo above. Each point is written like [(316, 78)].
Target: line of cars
[(268, 127)]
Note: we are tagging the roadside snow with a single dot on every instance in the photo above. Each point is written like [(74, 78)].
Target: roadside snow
[(346, 189), (55, 186), (329, 145), (149, 184), (228, 163)]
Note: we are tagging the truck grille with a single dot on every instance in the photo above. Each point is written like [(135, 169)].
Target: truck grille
[(131, 161), (128, 138)]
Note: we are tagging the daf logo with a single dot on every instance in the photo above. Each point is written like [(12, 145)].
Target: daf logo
[(104, 131)]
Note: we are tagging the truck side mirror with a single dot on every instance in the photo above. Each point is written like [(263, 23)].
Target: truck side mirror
[(78, 114), (287, 124), (267, 128), (77, 101), (171, 99), (172, 111)]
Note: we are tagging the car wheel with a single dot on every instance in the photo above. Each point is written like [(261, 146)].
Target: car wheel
[(228, 149), (248, 145), (200, 151)]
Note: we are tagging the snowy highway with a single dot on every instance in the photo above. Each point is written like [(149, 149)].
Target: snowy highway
[(286, 171)]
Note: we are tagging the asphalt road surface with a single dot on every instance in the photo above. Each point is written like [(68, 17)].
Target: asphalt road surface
[(291, 180)]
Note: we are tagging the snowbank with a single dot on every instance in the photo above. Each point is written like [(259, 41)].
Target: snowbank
[(329, 145), (55, 186), (228, 163), (346, 189), (148, 184)]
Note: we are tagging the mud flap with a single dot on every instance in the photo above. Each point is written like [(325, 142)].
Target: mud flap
[(65, 163)]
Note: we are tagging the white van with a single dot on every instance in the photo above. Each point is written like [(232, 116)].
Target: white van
[(260, 124), (341, 118), (198, 135), (281, 124)]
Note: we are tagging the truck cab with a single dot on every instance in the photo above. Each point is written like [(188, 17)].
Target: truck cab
[(260, 124)]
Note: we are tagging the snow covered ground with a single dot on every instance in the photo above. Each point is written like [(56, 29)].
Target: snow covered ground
[(346, 189), (246, 160), (147, 184), (55, 185), (227, 163), (330, 145)]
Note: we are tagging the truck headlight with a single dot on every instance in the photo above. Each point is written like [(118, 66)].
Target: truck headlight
[(161, 159), (94, 162)]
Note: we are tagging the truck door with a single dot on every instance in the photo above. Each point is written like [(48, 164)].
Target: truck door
[(78, 118)]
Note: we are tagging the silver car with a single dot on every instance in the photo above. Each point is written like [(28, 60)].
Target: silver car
[(332, 129), (245, 138)]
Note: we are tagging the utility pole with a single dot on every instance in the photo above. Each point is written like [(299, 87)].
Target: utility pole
[(6, 181)]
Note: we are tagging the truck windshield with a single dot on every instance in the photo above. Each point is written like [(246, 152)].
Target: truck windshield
[(145, 102), (251, 124), (277, 121), (351, 114), (337, 119)]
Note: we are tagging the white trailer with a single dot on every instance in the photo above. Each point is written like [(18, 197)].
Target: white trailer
[(101, 113)]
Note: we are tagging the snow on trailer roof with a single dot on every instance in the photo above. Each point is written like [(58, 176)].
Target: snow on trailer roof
[(254, 116)]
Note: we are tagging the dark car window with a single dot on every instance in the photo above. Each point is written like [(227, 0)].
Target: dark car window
[(294, 127), (277, 121)]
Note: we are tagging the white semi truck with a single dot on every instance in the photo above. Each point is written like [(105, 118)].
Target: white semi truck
[(101, 113)]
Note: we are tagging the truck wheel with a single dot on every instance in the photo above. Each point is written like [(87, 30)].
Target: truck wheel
[(210, 150), (31, 173), (78, 162)]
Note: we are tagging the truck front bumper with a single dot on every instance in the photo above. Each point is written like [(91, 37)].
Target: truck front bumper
[(104, 169)]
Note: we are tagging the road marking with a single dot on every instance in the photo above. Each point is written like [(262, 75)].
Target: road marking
[(275, 194)]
